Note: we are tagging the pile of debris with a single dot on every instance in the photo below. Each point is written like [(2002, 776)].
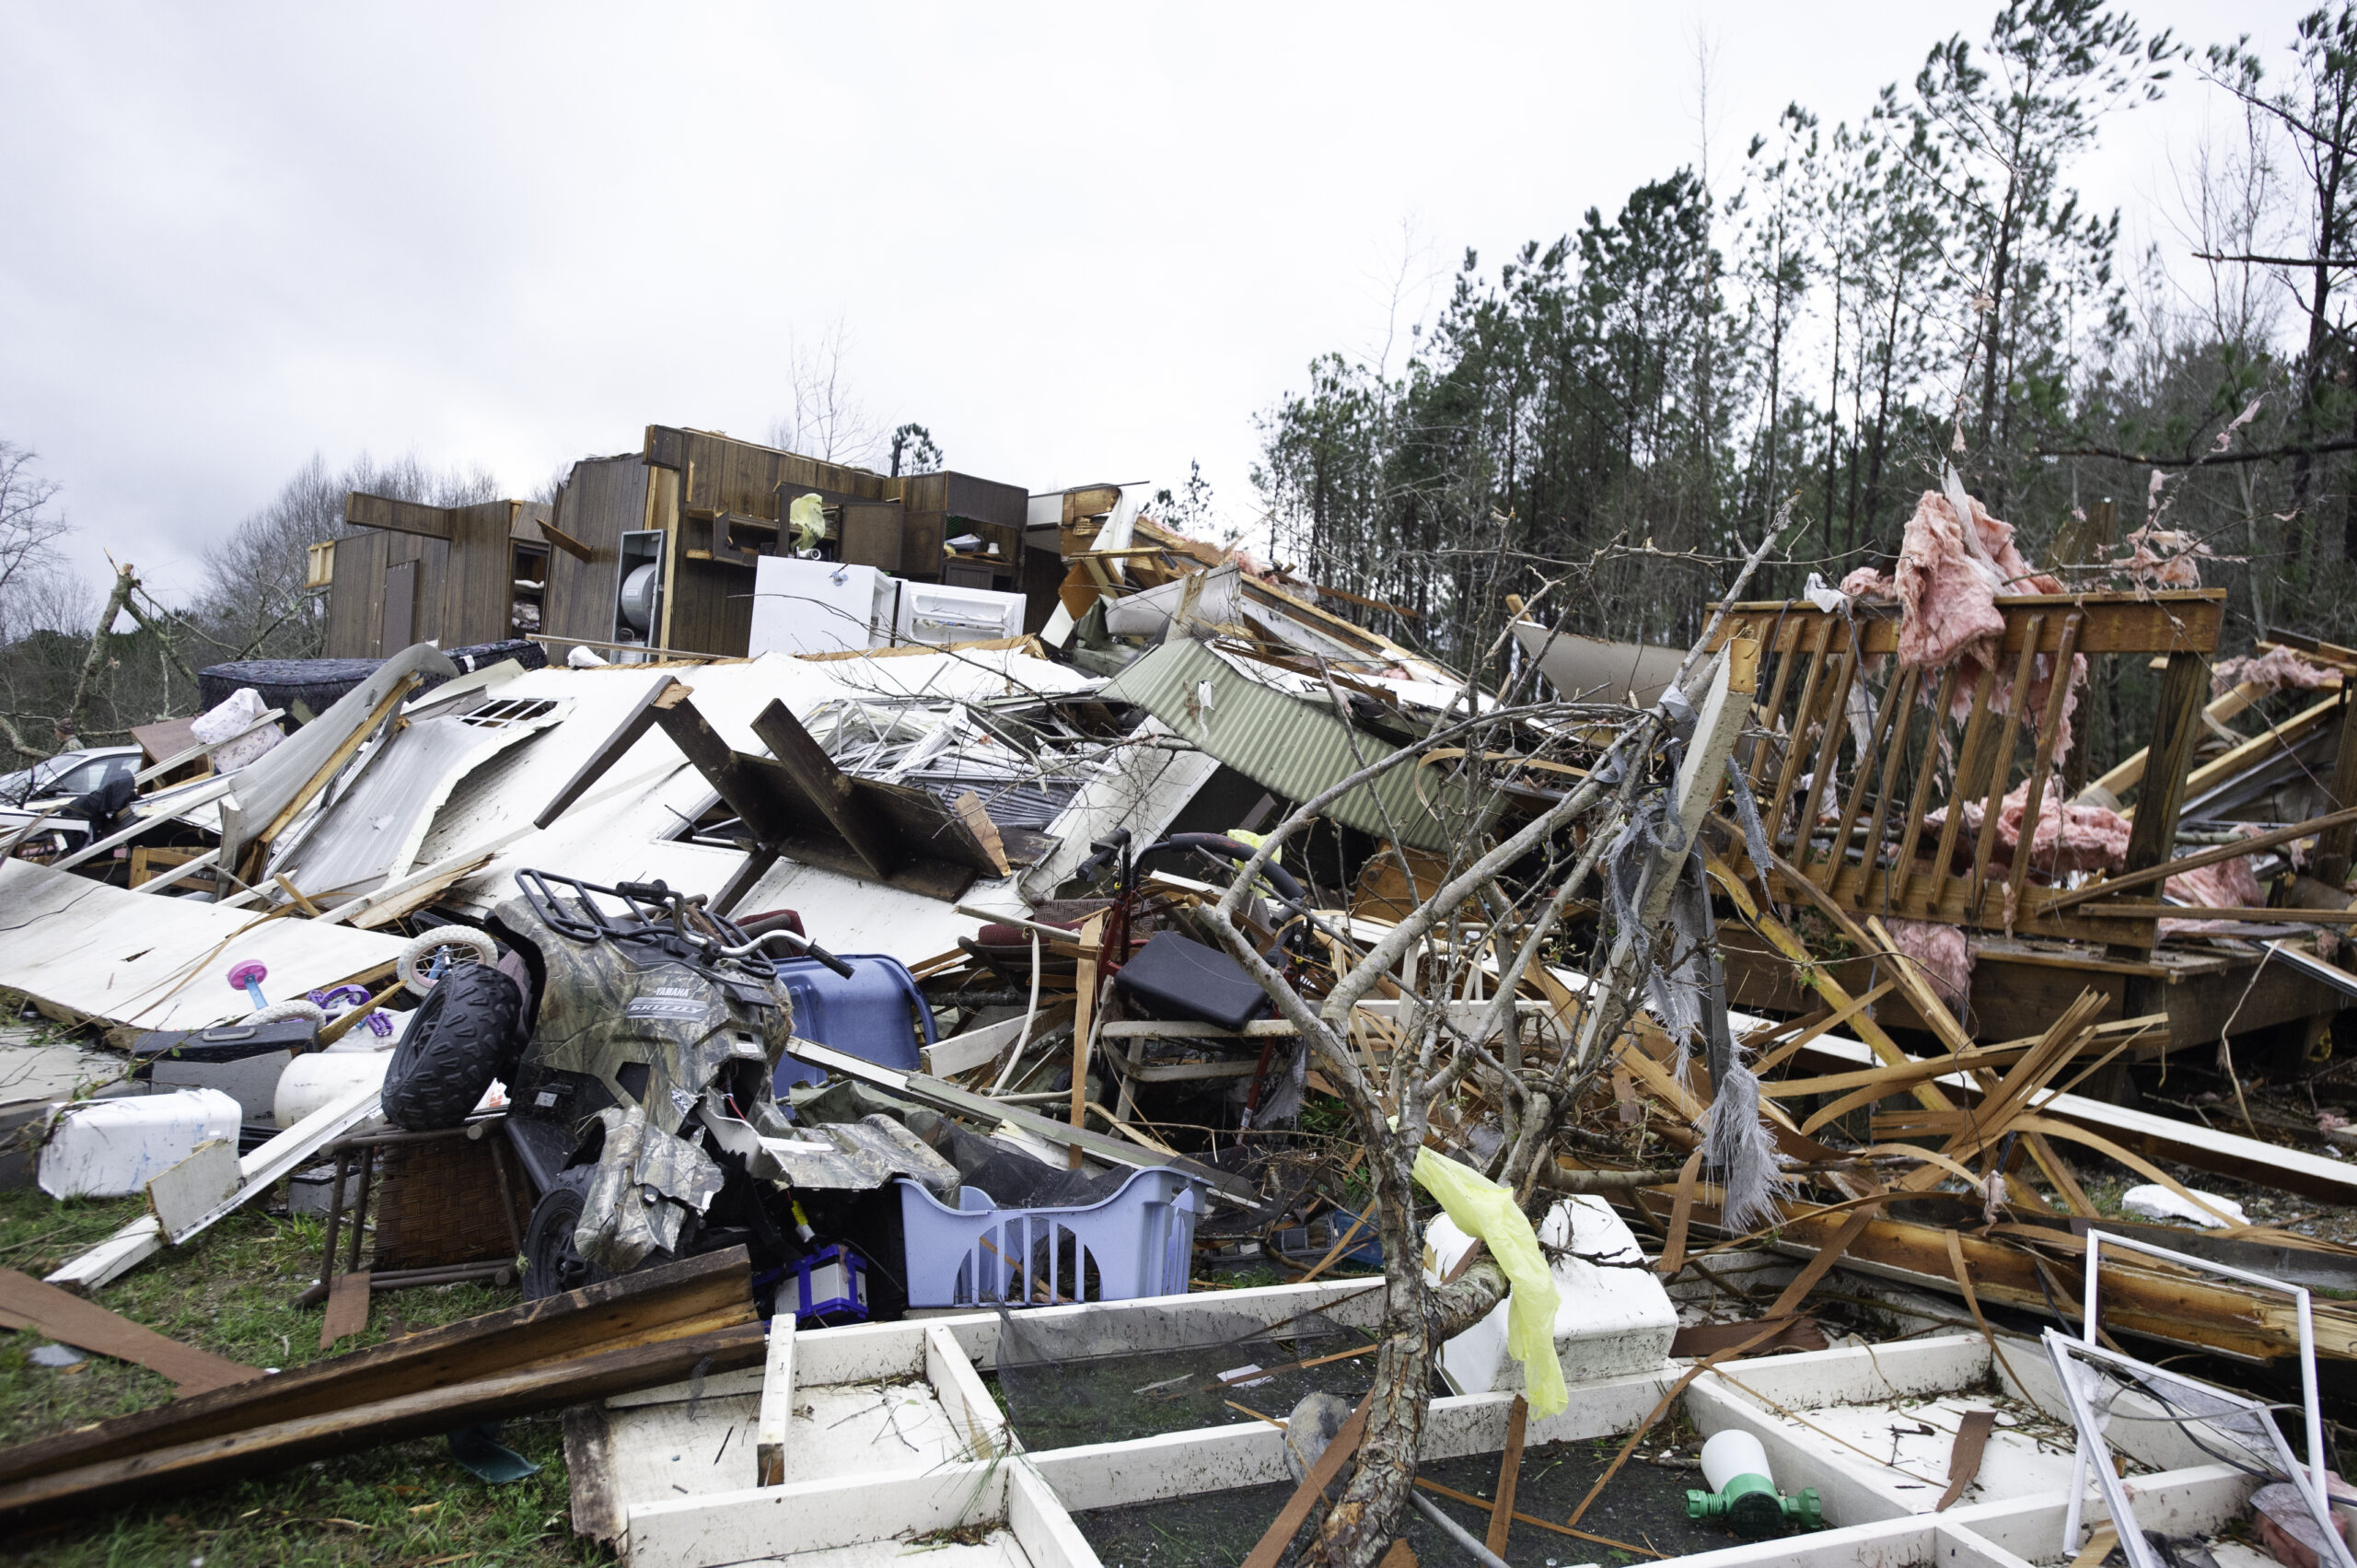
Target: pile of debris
[(1091, 1008)]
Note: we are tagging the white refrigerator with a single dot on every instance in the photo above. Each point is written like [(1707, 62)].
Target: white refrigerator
[(820, 607)]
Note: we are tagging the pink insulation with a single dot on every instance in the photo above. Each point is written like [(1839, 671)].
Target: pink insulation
[(2163, 558), (2230, 884), (1943, 954), (2277, 669), (1867, 582), (1947, 588), (2068, 838), (1949, 577)]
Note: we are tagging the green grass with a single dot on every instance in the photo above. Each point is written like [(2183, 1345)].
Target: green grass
[(231, 1292)]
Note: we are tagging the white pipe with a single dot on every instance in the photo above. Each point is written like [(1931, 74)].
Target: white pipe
[(1455, 1532), (1030, 1014)]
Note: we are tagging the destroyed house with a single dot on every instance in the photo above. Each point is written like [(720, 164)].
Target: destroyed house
[(663, 549)]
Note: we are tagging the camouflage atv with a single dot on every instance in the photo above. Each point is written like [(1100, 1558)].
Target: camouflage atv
[(640, 1048)]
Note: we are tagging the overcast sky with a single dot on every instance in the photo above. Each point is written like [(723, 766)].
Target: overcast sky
[(1079, 244)]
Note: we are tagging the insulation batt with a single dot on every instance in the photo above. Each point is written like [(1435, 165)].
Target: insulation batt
[(2161, 558), (2277, 669), (1948, 579), (1941, 952), (2068, 838), (2230, 884), (1867, 582)]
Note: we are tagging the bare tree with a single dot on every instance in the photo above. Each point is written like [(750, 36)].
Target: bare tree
[(30, 529), (1626, 819), (827, 420), (253, 600)]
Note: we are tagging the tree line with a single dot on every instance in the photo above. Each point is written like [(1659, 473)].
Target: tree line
[(1814, 336)]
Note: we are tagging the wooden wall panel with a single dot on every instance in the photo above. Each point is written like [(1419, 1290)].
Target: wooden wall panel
[(432, 556), (986, 501), (604, 498), (398, 627), (477, 575), (724, 474), (711, 609), (359, 564)]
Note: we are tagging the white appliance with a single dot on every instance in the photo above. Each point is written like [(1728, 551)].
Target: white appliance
[(931, 612), (820, 607)]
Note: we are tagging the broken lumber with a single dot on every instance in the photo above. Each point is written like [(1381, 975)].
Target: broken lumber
[(526, 1391), (698, 1296), (25, 1303)]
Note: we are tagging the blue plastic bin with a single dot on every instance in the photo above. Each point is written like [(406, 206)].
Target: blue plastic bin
[(1139, 1242), (876, 1015)]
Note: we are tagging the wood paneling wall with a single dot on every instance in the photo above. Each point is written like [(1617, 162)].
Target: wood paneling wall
[(604, 498)]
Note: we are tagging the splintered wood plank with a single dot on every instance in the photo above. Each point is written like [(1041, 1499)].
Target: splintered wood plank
[(2001, 766), (1964, 1459), (1894, 699), (627, 734), (1828, 753), (1902, 870), (677, 1299), (1968, 753), (1764, 752), (1509, 1477), (1796, 737), (347, 1312), (506, 1395), (1890, 743), (1290, 1518), (829, 789), (2049, 728), (85, 1325)]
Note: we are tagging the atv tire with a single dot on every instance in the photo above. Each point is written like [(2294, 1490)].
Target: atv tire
[(463, 1035), (553, 1264)]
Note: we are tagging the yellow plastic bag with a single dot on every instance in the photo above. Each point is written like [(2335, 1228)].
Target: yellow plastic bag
[(808, 518), (1479, 1207)]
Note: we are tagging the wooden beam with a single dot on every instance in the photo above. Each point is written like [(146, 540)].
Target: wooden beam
[(2064, 898), (2336, 845), (500, 1396), (401, 517), (1092, 935), (2219, 768), (755, 798), (626, 735), (689, 1297), (2177, 729), (566, 542), (829, 789)]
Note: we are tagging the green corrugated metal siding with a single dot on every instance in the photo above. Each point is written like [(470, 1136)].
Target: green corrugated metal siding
[(1287, 746)]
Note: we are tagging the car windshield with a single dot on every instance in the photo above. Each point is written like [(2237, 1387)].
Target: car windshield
[(27, 784), (67, 773)]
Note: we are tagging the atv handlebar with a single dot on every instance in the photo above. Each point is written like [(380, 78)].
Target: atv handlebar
[(804, 946), (664, 896)]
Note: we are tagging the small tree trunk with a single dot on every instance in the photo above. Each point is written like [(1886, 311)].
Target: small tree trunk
[(123, 583), (1417, 1320)]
